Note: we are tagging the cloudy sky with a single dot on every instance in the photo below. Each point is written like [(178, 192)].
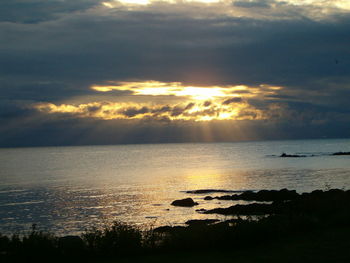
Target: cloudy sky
[(143, 71)]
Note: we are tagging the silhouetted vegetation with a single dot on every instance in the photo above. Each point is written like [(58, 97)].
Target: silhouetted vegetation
[(321, 216)]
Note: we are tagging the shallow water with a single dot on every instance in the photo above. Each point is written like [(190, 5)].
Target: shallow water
[(68, 189)]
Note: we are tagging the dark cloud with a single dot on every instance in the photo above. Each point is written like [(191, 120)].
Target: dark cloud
[(11, 111), (35, 11), (241, 91), (281, 96), (132, 111), (247, 114), (176, 49), (253, 4), (54, 132), (252, 52), (162, 109), (176, 111), (189, 106), (232, 100), (53, 51), (207, 103)]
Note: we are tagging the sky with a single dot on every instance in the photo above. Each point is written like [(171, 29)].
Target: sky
[(88, 72)]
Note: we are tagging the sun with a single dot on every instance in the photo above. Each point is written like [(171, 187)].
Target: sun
[(201, 93)]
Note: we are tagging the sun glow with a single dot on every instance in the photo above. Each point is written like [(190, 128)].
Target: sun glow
[(198, 93), (343, 4), (191, 103), (106, 4), (109, 111), (156, 88), (136, 2)]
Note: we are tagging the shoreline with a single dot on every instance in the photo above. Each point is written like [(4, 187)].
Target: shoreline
[(302, 217)]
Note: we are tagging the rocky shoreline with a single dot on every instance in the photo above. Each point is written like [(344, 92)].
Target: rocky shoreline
[(281, 202)]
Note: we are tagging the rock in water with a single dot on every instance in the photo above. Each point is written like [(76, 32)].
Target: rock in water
[(341, 153), (283, 155), (201, 222), (188, 202)]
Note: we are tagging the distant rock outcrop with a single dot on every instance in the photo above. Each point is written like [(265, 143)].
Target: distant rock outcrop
[(283, 155), (251, 209), (187, 202), (341, 153), (207, 191), (262, 196), (201, 222)]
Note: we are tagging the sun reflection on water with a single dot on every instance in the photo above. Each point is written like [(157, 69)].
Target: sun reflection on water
[(68, 189)]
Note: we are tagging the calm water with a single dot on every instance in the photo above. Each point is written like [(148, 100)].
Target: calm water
[(69, 189)]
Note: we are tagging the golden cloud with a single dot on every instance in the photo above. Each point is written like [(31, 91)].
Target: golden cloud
[(157, 88), (196, 103)]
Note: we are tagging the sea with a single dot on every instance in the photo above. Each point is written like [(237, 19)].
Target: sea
[(69, 190)]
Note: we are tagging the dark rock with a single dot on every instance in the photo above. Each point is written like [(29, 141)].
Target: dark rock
[(263, 195), (188, 202), (227, 197), (234, 220), (291, 155), (208, 191), (201, 222), (162, 229), (315, 192), (166, 229), (251, 209), (317, 203), (273, 195), (341, 153), (208, 198), (248, 196)]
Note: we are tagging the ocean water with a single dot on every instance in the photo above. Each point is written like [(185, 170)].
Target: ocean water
[(69, 189)]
